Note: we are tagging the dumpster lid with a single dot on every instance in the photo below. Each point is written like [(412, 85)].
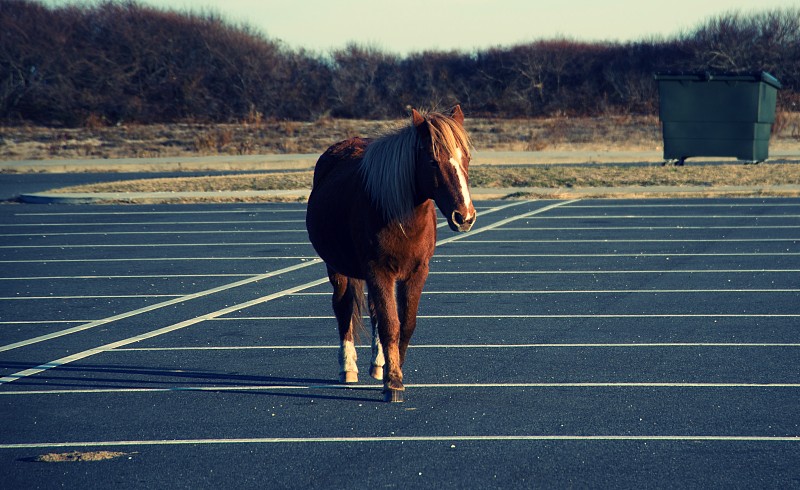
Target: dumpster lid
[(706, 76)]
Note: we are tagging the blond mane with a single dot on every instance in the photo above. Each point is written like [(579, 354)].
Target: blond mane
[(388, 165)]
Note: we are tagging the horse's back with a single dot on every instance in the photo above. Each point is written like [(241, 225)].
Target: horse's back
[(335, 203), (347, 153)]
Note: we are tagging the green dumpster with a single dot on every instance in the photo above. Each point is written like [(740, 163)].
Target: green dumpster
[(716, 115)]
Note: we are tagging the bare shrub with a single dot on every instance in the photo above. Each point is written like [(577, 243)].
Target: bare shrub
[(786, 125), (119, 61), (214, 141)]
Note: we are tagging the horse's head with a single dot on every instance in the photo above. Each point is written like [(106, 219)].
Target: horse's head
[(442, 160)]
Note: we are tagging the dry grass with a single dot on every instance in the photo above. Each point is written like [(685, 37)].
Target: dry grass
[(245, 182), (620, 133), (78, 456), (559, 176), (256, 136), (541, 176), (153, 141)]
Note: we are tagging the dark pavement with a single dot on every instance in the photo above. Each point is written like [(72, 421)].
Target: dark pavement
[(586, 343)]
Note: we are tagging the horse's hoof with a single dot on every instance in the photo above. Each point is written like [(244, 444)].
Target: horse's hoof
[(376, 372), (348, 377), (394, 396)]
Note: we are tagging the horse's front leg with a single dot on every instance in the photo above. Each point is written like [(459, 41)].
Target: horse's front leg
[(382, 292), (408, 295)]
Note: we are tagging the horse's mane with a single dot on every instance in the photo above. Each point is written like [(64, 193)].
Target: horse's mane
[(388, 165)]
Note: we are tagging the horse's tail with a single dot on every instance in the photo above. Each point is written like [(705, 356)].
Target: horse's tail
[(356, 287)]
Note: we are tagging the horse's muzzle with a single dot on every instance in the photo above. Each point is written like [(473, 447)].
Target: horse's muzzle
[(459, 222)]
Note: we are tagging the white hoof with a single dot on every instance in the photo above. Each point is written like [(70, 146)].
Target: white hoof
[(348, 377), (376, 372)]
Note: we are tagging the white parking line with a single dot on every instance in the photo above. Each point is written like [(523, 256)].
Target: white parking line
[(470, 241), (155, 333), (154, 245), (586, 291), (110, 296), (646, 228), (374, 387), (727, 438), (192, 321), (167, 259), (502, 222), (160, 259), (648, 271), (409, 439), (129, 276), (644, 345), (640, 254), (246, 211), (128, 314), (645, 240), (139, 233), (149, 223), (42, 322), (249, 212), (539, 272), (693, 205), (671, 216), (498, 317), (441, 224), (656, 315), (619, 291)]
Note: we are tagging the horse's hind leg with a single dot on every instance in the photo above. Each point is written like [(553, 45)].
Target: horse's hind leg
[(346, 298), (378, 361)]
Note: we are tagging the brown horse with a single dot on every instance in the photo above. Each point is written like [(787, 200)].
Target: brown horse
[(372, 220)]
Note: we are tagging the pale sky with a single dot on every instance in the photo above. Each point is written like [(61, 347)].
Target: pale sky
[(403, 26)]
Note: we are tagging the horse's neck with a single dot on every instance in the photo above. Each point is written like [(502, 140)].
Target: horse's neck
[(423, 216)]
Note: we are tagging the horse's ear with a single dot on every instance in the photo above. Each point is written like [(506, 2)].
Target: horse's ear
[(416, 118), (458, 115)]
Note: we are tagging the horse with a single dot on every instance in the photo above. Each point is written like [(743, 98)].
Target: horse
[(371, 218)]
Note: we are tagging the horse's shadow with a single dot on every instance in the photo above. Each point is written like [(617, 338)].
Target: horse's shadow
[(77, 377)]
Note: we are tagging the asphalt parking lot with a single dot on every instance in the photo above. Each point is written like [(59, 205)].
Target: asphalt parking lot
[(584, 343)]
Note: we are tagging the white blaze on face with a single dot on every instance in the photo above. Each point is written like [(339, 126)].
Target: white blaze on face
[(455, 160)]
